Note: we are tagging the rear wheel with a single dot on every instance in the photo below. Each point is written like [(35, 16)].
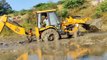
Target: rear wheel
[(50, 35)]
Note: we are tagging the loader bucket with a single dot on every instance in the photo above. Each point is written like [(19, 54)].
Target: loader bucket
[(90, 28), (2, 20)]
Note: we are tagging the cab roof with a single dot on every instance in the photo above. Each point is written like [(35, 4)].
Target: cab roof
[(44, 11)]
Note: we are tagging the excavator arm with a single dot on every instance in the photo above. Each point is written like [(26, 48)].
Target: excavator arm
[(2, 20), (16, 29)]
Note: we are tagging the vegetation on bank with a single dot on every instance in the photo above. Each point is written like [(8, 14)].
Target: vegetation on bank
[(72, 3), (102, 8), (45, 6)]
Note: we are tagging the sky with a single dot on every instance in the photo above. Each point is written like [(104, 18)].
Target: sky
[(25, 4)]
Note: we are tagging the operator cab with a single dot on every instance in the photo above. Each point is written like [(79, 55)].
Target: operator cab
[(47, 18)]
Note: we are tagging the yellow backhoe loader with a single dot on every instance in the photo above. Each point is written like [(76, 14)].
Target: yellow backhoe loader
[(48, 26)]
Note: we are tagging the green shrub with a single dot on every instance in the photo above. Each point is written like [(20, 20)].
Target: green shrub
[(72, 3), (45, 6), (64, 13), (101, 8), (16, 13), (7, 32), (23, 12)]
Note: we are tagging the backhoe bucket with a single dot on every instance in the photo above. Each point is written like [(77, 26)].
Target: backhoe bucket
[(2, 20)]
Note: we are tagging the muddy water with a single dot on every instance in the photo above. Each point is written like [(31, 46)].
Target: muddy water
[(103, 57), (70, 51)]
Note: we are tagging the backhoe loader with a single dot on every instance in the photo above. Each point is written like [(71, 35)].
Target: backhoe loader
[(51, 30)]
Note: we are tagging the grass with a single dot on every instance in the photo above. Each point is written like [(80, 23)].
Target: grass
[(7, 32)]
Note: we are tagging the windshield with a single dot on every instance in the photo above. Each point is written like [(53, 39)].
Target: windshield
[(53, 19)]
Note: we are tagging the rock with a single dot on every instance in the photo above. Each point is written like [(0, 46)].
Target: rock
[(1, 44)]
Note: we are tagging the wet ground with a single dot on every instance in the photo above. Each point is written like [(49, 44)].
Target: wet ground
[(92, 46)]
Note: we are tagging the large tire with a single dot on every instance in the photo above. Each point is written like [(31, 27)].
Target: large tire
[(50, 35)]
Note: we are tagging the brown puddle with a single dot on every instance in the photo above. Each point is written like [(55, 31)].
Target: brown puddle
[(70, 51)]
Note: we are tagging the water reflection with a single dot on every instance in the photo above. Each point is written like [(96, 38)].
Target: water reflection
[(55, 51)]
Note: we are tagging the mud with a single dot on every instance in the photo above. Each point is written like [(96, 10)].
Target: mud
[(11, 48)]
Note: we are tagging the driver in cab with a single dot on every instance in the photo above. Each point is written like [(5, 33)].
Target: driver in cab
[(45, 21)]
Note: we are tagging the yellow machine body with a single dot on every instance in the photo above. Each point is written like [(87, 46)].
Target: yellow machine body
[(75, 22), (38, 31), (47, 27), (1, 26), (70, 20), (16, 29), (37, 34), (2, 20)]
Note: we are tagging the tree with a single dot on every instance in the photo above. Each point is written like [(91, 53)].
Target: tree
[(5, 8)]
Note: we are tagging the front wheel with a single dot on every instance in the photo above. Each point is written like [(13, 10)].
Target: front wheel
[(50, 35)]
